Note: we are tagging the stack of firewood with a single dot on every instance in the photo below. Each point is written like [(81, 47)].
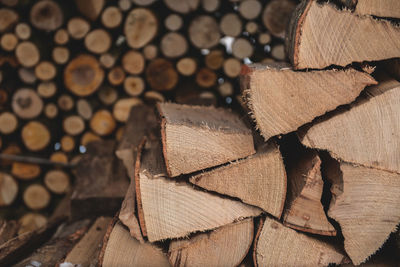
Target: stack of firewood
[(71, 71)]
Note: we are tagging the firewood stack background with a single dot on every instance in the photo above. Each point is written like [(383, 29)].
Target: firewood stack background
[(199, 133)]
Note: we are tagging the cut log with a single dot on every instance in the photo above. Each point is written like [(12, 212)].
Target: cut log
[(259, 180), (86, 252), (210, 5), (214, 59), (183, 7), (304, 210), (107, 95), (264, 38), (140, 27), (225, 89), (36, 197), (278, 52), (366, 216), (45, 71), (124, 5), (311, 24), (277, 245), (250, 9), (47, 89), (375, 121), (65, 102), (90, 8), (225, 246), (276, 16), (160, 199), (116, 76), (78, 27), (59, 157), (35, 136), (8, 42), (111, 17), (281, 100), (143, 2), (206, 78), (173, 45), (251, 27), (30, 222), (107, 60), (133, 62), (60, 55), (23, 31), (27, 54), (84, 109), (83, 75), (89, 137), (8, 123), (46, 15), (27, 75), (379, 8), (57, 181), (61, 37), (8, 189), (150, 52), (242, 48), (204, 32), (161, 75), (26, 103), (232, 67), (8, 18), (231, 25), (186, 66), (195, 137), (73, 125), (173, 22), (123, 107), (67, 143), (123, 250), (98, 41), (102, 122), (134, 85), (25, 171), (50, 110)]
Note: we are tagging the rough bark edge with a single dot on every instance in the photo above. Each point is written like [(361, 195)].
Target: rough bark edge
[(260, 227), (164, 139), (105, 240), (294, 31), (310, 230), (140, 211)]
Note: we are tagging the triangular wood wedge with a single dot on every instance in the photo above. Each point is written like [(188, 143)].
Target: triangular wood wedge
[(304, 210), (368, 134), (278, 245), (281, 100), (379, 8), (259, 180), (170, 209), (123, 250), (320, 35), (225, 246), (197, 137), (366, 204)]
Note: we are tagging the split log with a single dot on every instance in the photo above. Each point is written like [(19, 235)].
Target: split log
[(61, 37), (83, 75), (140, 27), (60, 55), (241, 48), (232, 67), (8, 42), (8, 230), (9, 189), (134, 86), (8, 18), (281, 100), (23, 31), (73, 125), (26, 103), (8, 123), (45, 71), (98, 41), (30, 222), (116, 76), (276, 16), (36, 197), (35, 136), (204, 32), (25, 171), (87, 250), (231, 25), (65, 102), (183, 7), (46, 15), (133, 62), (336, 46), (250, 9), (47, 89), (259, 180), (67, 143), (111, 17), (225, 246), (102, 122), (161, 75), (173, 22), (123, 107), (227, 137), (27, 54), (90, 8), (206, 78), (150, 52), (107, 95), (380, 8), (186, 66), (277, 245), (84, 109), (120, 249), (173, 45), (158, 197), (375, 121), (366, 217), (304, 210), (78, 27), (57, 181)]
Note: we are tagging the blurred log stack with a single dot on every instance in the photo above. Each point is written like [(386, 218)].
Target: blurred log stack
[(71, 71)]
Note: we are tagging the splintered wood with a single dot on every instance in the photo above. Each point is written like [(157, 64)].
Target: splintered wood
[(170, 209), (258, 180), (277, 245), (225, 246), (379, 8), (314, 43), (281, 100), (195, 138)]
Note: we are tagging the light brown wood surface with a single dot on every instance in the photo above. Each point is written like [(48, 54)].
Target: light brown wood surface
[(224, 246), (60, 55), (259, 180), (102, 122), (36, 197), (204, 32), (133, 62), (46, 15), (25, 171), (8, 189), (57, 181), (231, 24), (26, 103), (276, 16), (35, 136), (8, 122), (90, 8), (98, 41), (173, 45), (140, 27), (27, 54), (123, 107), (182, 6), (195, 137), (161, 75), (78, 27), (8, 18), (281, 100), (278, 245), (169, 209), (379, 8)]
